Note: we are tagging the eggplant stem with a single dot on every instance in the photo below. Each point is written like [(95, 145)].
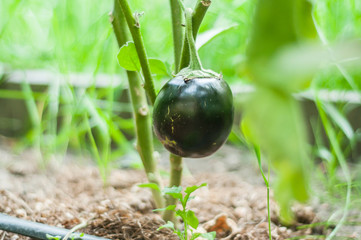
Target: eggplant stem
[(195, 62)]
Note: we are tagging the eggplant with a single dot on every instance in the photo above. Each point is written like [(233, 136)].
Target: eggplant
[(193, 117)]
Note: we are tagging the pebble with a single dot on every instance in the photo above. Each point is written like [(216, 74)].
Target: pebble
[(101, 209), (68, 215), (20, 212)]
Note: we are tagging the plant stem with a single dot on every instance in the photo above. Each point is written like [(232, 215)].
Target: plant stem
[(268, 201), (177, 32), (183, 215), (194, 62), (258, 155), (197, 18), (141, 112), (330, 132), (134, 28), (176, 169)]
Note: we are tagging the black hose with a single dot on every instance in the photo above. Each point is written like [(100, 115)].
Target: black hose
[(37, 230)]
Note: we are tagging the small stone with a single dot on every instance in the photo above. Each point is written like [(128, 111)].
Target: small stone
[(106, 203), (68, 215), (100, 209), (20, 212), (15, 237), (39, 206)]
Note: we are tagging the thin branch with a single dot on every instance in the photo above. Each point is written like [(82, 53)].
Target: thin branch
[(3, 235), (134, 28), (177, 30), (141, 112), (74, 229)]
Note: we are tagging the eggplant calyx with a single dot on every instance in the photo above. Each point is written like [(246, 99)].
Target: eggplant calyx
[(189, 74)]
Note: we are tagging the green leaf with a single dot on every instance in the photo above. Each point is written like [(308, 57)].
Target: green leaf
[(304, 25), (169, 224), (339, 119), (179, 233), (195, 236), (170, 207), (247, 133), (191, 189), (128, 57), (76, 236), (237, 138), (149, 185), (174, 191), (50, 237), (278, 26), (191, 219), (181, 214), (278, 23), (157, 67), (176, 195), (207, 36), (209, 235)]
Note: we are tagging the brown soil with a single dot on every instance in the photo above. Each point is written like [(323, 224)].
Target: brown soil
[(67, 194)]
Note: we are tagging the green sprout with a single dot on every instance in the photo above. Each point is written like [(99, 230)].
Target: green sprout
[(190, 221), (73, 236)]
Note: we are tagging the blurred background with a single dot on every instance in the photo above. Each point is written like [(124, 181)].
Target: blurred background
[(62, 90)]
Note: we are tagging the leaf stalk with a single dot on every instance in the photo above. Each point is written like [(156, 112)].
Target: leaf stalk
[(197, 18), (194, 62)]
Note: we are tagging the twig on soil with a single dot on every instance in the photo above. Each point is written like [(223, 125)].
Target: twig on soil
[(262, 221), (18, 200), (3, 235), (125, 234), (76, 228), (141, 230)]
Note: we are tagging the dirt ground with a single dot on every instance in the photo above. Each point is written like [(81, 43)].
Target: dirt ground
[(70, 192)]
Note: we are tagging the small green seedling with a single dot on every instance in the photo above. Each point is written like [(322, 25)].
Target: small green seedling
[(73, 236), (190, 221)]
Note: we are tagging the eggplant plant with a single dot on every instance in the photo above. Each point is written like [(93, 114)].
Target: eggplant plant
[(193, 112)]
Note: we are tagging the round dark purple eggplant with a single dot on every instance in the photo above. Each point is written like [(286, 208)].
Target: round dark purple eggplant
[(193, 117)]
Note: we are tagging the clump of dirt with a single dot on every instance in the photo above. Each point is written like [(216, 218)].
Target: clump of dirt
[(67, 194)]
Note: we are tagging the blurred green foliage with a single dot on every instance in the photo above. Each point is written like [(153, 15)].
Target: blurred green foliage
[(62, 35), (76, 36), (272, 116), (282, 32)]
